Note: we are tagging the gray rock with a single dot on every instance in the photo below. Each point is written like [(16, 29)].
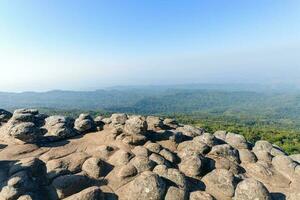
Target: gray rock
[(237, 141), (142, 163), (135, 125), (91, 193), (220, 183), (225, 151), (94, 167), (246, 156), (190, 131), (170, 123), (200, 195), (59, 127), (191, 166), (126, 171), (154, 123), (25, 131), (68, 185), (4, 116), (221, 135), (84, 123), (146, 186), (174, 193), (154, 147), (118, 118), (251, 189)]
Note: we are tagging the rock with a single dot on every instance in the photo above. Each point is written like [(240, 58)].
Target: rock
[(127, 171), (200, 195), (168, 155), (154, 147), (70, 184), (251, 189), (93, 167), (132, 139), (91, 193), (25, 131), (85, 123), (34, 166), (136, 125), (263, 156), (154, 123), (142, 163), (191, 148), (59, 127), (69, 164), (140, 151), (221, 135), (295, 157), (285, 165), (237, 141), (191, 166), (220, 183), (190, 131), (206, 138), (293, 196), (4, 116), (158, 159), (106, 120), (118, 118), (224, 163), (174, 176), (146, 186), (175, 193), (170, 123), (262, 145), (226, 151), (246, 156), (25, 197), (9, 193), (120, 157)]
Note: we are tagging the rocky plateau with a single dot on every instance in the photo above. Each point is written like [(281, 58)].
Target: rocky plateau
[(133, 157)]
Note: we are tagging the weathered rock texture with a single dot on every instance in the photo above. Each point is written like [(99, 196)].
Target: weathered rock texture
[(136, 158)]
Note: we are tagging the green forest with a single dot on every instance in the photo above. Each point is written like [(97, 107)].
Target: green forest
[(256, 114)]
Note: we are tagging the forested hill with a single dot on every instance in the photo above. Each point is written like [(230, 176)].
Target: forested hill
[(257, 114), (155, 101)]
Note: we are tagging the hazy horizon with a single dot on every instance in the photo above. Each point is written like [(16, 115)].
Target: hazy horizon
[(80, 45)]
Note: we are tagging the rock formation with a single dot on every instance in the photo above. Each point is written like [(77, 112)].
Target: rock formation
[(136, 158)]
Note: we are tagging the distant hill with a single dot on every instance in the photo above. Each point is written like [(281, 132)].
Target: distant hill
[(227, 100)]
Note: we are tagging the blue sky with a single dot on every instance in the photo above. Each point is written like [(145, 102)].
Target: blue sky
[(81, 45)]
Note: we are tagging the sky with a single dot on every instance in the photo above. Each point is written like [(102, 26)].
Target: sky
[(91, 44)]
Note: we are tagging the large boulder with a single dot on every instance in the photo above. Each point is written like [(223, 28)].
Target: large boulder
[(148, 185), (251, 189), (24, 125), (220, 183), (136, 125), (25, 131), (84, 123), (191, 166), (59, 127)]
